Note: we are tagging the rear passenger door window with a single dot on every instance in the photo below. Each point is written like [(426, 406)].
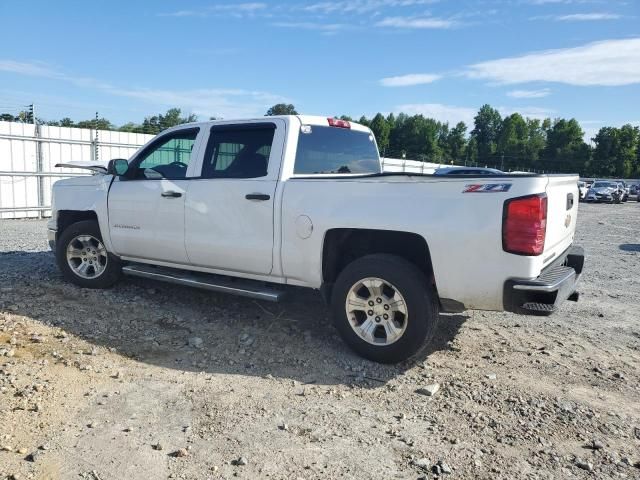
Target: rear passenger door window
[(236, 151)]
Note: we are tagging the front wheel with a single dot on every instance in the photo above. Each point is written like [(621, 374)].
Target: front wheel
[(83, 259), (384, 308)]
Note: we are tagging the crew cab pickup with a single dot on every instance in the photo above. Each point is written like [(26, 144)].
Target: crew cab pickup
[(251, 207)]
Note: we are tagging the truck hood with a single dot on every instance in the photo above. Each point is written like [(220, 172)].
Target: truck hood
[(603, 190), (98, 167), (91, 181)]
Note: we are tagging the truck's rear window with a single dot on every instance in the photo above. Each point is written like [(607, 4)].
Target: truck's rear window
[(335, 150)]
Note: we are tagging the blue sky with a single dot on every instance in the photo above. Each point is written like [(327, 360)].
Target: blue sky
[(128, 59)]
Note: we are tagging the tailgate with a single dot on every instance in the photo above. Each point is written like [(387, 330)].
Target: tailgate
[(562, 213)]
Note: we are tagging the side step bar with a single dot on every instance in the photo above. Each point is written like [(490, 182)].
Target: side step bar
[(206, 281)]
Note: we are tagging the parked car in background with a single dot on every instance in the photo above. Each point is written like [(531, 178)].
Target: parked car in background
[(626, 191), (605, 191), (633, 189), (582, 189)]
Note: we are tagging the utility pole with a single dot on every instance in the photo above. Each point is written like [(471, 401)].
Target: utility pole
[(96, 151), (39, 159)]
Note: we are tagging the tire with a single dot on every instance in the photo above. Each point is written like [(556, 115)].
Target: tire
[(398, 276), (107, 269)]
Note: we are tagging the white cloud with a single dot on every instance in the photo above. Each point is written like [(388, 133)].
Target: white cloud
[(361, 6), (242, 7), (444, 113), (323, 27), (546, 2), (225, 103), (409, 80), (544, 92), (416, 23), (183, 13), (233, 9), (586, 17), (25, 68), (221, 102), (609, 63)]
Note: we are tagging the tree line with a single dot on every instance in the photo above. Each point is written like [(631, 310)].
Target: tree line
[(509, 143)]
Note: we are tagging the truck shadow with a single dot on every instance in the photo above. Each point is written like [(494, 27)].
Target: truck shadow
[(629, 247), (186, 329)]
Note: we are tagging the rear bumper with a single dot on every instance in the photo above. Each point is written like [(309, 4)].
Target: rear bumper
[(543, 295)]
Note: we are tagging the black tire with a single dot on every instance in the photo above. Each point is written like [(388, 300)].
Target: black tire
[(419, 296), (113, 269)]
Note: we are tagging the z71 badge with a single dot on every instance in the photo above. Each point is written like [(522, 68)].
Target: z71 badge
[(487, 188)]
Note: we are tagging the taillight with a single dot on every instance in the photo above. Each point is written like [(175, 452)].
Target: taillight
[(524, 225), (334, 122)]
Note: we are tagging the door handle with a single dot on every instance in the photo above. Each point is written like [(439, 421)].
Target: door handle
[(257, 196), (171, 194)]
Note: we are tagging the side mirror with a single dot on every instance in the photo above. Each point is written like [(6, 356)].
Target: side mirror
[(118, 167)]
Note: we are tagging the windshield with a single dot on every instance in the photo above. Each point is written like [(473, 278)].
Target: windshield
[(602, 185), (335, 150)]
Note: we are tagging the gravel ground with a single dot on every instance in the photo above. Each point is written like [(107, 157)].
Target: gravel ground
[(149, 380)]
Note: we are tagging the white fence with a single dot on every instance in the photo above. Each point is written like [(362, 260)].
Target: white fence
[(411, 166), (29, 153)]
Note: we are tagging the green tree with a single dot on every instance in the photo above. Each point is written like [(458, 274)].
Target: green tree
[(281, 109), (604, 154), (487, 124), (381, 130), (616, 151), (99, 124), (566, 150), (628, 144), (536, 141), (396, 135), (421, 138), (157, 123), (131, 127), (363, 121), (456, 142), (512, 142), (471, 157)]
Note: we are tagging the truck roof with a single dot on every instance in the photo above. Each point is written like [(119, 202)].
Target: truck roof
[(303, 119)]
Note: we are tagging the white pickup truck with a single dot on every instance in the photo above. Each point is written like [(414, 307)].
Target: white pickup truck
[(250, 207)]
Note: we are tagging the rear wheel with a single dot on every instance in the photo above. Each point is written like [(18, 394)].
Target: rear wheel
[(83, 259), (384, 308)]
